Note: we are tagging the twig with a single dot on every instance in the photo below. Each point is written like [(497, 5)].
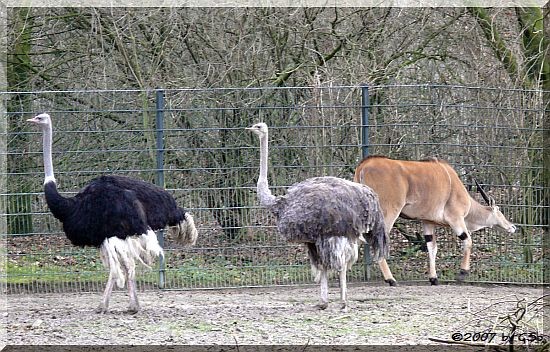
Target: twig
[(307, 344)]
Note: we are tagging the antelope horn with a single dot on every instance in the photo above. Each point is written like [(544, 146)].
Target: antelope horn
[(489, 200)]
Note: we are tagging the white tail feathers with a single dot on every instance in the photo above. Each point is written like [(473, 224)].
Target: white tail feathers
[(147, 248), (185, 231), (333, 255), (120, 256)]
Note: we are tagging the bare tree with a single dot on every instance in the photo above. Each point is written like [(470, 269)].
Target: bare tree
[(101, 48)]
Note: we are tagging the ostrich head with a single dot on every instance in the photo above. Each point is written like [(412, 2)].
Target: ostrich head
[(260, 129), (264, 194), (42, 120)]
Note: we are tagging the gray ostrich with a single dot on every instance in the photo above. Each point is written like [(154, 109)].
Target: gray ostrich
[(329, 215)]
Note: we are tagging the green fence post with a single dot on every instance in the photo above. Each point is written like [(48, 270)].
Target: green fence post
[(160, 173), (365, 105)]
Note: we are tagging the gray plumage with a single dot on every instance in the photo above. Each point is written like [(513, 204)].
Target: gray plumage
[(328, 206), (330, 215)]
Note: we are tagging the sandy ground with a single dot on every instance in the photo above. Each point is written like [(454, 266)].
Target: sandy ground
[(384, 315)]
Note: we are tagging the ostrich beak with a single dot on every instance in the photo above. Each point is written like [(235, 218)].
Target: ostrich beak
[(33, 120)]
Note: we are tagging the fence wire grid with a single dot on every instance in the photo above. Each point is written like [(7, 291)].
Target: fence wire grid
[(193, 143)]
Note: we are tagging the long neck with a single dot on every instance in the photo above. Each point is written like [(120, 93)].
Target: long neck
[(59, 205), (48, 165), (264, 194)]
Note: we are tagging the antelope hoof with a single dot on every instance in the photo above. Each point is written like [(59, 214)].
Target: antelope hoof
[(434, 281), (391, 282), (322, 305), (461, 276)]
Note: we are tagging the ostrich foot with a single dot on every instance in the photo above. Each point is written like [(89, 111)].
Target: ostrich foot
[(133, 309), (322, 305), (101, 309), (461, 276), (344, 307), (434, 281), (391, 282)]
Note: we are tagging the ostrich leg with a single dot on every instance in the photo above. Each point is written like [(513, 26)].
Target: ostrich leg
[(132, 292), (324, 289), (343, 289), (130, 273), (104, 305)]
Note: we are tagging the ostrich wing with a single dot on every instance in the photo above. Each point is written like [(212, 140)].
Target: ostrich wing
[(327, 206), (118, 206), (103, 210), (160, 207)]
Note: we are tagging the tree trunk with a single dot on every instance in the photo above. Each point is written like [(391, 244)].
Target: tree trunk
[(19, 71)]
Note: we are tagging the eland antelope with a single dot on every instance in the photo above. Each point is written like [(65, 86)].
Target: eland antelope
[(429, 191)]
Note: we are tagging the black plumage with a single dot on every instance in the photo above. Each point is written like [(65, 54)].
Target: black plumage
[(112, 206), (117, 214)]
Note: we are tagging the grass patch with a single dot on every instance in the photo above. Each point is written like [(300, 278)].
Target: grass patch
[(28, 271), (206, 277), (83, 269)]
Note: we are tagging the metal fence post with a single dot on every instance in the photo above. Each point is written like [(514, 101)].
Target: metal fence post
[(160, 172), (365, 105)]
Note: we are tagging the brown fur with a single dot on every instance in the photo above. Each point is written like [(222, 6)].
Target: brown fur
[(430, 191), (418, 189)]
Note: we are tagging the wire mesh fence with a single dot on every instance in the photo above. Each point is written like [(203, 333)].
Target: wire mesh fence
[(193, 142)]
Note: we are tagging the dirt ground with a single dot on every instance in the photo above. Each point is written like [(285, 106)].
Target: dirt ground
[(402, 315)]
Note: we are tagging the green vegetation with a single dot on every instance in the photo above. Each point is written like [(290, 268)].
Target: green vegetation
[(86, 270)]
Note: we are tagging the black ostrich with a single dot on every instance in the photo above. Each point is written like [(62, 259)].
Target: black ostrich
[(119, 216), (329, 215)]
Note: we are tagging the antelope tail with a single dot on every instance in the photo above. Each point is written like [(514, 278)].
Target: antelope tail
[(379, 241)]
